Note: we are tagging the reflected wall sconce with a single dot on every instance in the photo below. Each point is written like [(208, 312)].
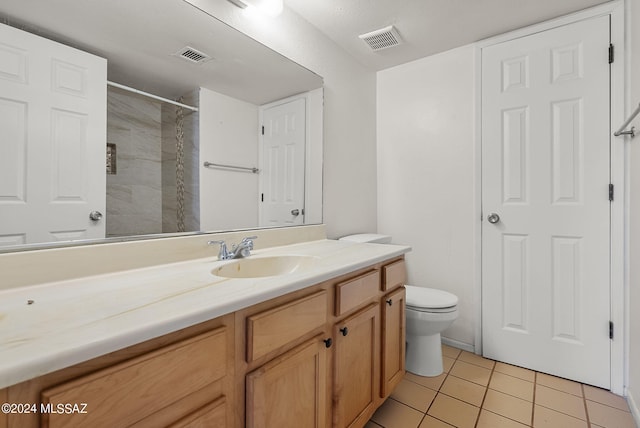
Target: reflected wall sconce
[(268, 7)]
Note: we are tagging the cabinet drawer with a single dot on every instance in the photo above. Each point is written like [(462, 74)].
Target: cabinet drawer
[(269, 330), (211, 415), (351, 294), (394, 275), (128, 392)]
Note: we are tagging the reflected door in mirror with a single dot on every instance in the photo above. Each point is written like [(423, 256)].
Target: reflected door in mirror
[(283, 164), (53, 121)]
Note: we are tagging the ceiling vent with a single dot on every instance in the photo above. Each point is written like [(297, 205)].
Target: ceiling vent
[(192, 55), (382, 39)]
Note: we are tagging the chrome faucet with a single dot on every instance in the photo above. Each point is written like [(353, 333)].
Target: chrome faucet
[(243, 249)]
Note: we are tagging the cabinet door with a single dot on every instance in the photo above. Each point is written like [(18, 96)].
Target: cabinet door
[(356, 376), (289, 391), (393, 340)]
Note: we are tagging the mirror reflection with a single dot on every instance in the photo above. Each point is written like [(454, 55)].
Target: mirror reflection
[(152, 98)]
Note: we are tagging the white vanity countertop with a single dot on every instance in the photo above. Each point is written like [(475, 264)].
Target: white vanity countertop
[(68, 322)]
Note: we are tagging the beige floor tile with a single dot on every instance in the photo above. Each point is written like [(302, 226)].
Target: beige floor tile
[(464, 390), (393, 414), (450, 351), (603, 396), (491, 420), (414, 395), (447, 363), (431, 422), (512, 386), (559, 383), (508, 406), (515, 371), (468, 357), (434, 382), (471, 372), (560, 401), (609, 417), (454, 412), (371, 424), (547, 418)]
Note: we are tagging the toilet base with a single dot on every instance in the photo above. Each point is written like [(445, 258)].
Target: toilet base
[(424, 355)]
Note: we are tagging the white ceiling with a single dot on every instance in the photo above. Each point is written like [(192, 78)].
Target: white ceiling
[(427, 26), (139, 37)]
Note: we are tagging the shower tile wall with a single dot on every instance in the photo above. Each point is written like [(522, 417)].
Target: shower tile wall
[(134, 195), (191, 177)]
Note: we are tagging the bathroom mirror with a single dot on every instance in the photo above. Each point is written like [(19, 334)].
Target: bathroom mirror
[(148, 45)]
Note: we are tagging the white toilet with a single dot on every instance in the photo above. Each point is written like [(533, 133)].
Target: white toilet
[(428, 313)]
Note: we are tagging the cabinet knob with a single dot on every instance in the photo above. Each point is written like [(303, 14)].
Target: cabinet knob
[(328, 342), (344, 331), (390, 302)]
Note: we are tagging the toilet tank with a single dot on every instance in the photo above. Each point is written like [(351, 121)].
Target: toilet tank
[(368, 237)]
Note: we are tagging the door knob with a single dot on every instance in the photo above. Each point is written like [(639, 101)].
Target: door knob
[(95, 215), (493, 218), (295, 212)]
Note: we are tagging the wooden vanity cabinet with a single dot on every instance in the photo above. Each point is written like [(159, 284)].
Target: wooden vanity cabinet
[(182, 379), (283, 348), (290, 390), (326, 355), (393, 341), (134, 392), (356, 372), (394, 276)]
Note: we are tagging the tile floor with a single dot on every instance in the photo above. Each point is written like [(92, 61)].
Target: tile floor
[(475, 392)]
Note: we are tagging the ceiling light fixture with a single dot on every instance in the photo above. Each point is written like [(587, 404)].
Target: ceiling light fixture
[(268, 7)]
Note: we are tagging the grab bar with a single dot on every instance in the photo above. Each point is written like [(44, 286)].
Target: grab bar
[(632, 131), (240, 168)]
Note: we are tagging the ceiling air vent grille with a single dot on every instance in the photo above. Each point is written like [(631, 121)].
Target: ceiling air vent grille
[(192, 55), (382, 39)]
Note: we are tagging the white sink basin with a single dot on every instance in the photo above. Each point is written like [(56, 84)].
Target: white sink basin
[(258, 267)]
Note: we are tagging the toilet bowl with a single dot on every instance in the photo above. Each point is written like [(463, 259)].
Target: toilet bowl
[(428, 313)]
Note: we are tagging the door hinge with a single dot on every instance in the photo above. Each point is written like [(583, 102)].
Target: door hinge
[(263, 130), (610, 192), (611, 53), (611, 330)]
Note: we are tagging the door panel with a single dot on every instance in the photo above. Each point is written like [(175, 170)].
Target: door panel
[(545, 157), (289, 390), (283, 164), (53, 117)]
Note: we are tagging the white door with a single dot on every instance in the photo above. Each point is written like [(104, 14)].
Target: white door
[(282, 164), (545, 163), (53, 140)]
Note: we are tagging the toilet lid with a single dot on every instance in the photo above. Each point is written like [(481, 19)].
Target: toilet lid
[(429, 298)]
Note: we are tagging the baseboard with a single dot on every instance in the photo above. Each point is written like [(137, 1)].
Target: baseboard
[(633, 406), (459, 345)]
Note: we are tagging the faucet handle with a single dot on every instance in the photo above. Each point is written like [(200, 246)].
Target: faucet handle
[(223, 254), (249, 238)]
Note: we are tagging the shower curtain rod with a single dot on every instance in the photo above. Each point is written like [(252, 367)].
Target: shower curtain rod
[(155, 97)]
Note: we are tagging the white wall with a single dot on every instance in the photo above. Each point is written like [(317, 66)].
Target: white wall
[(349, 114), (228, 135), (633, 388), (425, 126)]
